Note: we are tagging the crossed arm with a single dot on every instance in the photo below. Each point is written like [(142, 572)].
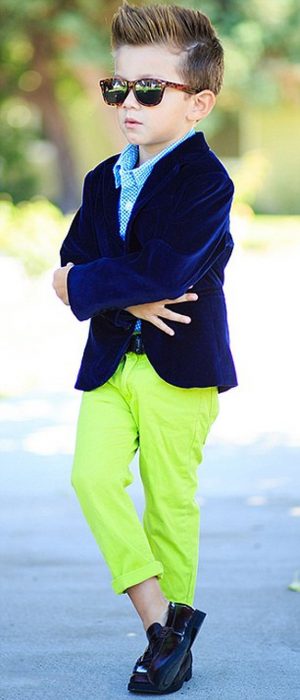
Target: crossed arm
[(150, 311), (133, 282)]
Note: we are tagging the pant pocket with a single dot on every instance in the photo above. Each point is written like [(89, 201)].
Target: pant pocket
[(208, 412), (215, 404)]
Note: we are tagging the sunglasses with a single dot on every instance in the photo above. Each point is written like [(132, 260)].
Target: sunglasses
[(147, 91)]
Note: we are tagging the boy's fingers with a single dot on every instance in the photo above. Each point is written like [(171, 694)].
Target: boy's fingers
[(192, 296), (173, 316), (156, 321)]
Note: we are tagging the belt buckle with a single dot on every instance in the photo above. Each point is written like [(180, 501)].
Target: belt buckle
[(138, 344)]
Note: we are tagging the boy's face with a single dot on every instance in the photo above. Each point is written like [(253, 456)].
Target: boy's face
[(166, 122)]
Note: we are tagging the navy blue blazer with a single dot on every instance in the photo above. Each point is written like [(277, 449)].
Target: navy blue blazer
[(177, 235)]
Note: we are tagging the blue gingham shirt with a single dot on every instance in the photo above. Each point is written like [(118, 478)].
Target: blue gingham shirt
[(131, 181)]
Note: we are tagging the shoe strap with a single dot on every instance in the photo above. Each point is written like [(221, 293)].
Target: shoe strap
[(154, 631)]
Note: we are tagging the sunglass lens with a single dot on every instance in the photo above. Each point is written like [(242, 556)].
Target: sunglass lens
[(114, 91), (149, 92)]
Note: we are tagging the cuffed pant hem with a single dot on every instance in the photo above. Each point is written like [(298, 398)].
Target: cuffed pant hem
[(155, 568)]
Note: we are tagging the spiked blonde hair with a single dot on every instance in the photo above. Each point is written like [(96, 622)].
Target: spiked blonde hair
[(180, 29)]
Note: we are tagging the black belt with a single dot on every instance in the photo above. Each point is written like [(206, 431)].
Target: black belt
[(136, 344)]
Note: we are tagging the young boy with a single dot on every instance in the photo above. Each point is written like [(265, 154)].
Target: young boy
[(153, 223)]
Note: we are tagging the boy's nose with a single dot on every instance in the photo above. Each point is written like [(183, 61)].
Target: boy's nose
[(130, 99)]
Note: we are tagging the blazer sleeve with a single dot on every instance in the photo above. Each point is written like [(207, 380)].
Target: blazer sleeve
[(81, 247), (195, 235)]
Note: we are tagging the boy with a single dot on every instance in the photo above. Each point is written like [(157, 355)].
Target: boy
[(150, 383)]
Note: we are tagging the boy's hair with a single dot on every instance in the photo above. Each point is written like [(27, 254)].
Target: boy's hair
[(178, 28)]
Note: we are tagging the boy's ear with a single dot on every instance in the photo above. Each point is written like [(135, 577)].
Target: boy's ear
[(201, 104)]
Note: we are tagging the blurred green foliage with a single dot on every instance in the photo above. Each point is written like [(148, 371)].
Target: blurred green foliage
[(32, 232), (260, 37), (249, 175), (17, 133), (51, 50)]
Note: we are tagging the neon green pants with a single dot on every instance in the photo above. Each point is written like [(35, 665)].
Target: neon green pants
[(134, 409)]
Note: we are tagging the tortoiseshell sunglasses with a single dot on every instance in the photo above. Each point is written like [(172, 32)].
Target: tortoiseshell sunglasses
[(148, 91)]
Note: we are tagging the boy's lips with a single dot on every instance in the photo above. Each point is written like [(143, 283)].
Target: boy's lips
[(131, 122)]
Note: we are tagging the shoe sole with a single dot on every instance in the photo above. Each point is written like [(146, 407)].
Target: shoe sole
[(164, 676), (176, 685)]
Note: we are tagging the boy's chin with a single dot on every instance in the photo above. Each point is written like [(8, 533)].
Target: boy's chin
[(132, 138)]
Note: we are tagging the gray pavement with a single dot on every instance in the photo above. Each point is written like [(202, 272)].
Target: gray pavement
[(66, 635)]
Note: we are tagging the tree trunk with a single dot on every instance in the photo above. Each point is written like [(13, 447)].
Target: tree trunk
[(55, 127)]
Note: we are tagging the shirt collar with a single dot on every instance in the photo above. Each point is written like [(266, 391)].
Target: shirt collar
[(124, 169), (126, 162)]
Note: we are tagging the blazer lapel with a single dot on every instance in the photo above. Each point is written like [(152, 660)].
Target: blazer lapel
[(163, 171), (110, 204), (157, 179)]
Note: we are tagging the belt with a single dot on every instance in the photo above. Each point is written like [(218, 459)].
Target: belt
[(136, 344)]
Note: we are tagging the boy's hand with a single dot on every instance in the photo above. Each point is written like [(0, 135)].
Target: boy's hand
[(60, 282), (153, 309)]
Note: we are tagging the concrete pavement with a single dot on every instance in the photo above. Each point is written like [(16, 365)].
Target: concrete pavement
[(65, 635)]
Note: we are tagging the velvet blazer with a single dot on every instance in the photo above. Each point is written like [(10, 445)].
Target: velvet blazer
[(177, 235)]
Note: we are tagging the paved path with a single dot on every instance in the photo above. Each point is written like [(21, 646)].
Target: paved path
[(65, 635)]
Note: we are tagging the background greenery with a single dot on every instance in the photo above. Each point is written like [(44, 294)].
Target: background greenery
[(55, 125)]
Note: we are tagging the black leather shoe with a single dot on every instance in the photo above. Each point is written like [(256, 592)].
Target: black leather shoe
[(172, 644), (139, 681)]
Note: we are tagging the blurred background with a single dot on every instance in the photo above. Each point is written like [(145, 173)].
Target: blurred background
[(54, 128)]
